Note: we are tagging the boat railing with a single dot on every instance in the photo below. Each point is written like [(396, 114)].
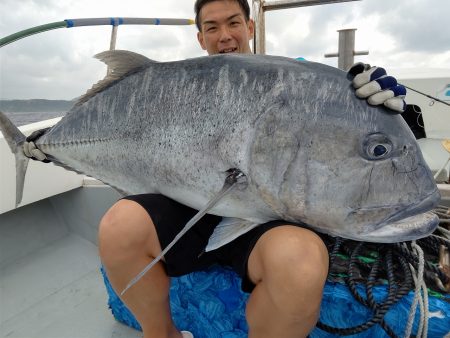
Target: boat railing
[(260, 7)]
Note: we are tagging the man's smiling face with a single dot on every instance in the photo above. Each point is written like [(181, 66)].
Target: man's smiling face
[(224, 28)]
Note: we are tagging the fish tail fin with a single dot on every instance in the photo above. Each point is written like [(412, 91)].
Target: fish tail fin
[(15, 139)]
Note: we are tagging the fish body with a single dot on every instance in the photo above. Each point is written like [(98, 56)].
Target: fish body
[(312, 152)]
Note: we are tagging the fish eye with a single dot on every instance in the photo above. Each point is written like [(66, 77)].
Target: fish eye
[(379, 150), (377, 147)]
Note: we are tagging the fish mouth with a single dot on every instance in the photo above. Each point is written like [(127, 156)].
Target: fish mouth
[(428, 203), (408, 224), (407, 229)]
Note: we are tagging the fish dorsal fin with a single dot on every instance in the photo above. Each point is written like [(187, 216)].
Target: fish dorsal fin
[(120, 64)]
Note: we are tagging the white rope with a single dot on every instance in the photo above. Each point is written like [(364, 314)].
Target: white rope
[(444, 231), (421, 319), (30, 150), (420, 286), (447, 241), (427, 309), (442, 211), (424, 310), (412, 310)]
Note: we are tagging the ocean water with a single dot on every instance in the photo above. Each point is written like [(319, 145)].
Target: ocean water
[(23, 118)]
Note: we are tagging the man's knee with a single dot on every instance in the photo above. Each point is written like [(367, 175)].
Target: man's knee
[(291, 264), (291, 256), (125, 229)]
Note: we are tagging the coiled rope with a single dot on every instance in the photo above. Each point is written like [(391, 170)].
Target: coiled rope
[(405, 266)]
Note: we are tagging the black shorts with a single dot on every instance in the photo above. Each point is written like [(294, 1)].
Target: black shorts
[(188, 255)]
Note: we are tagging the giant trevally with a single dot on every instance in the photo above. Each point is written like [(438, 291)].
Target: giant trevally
[(312, 152)]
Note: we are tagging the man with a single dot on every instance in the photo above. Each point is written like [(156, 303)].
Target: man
[(282, 265)]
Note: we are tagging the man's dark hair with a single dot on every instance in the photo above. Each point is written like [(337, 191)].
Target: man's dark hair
[(200, 3)]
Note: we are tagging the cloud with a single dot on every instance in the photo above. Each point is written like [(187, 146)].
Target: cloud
[(52, 65), (162, 43), (310, 31), (396, 33), (58, 64), (416, 25)]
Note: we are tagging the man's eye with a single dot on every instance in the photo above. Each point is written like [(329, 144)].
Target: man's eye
[(210, 29)]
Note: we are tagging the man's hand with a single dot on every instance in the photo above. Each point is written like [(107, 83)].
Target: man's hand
[(373, 84)]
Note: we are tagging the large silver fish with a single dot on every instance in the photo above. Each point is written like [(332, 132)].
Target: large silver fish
[(312, 152)]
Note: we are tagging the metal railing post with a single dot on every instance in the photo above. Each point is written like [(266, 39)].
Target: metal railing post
[(259, 46), (261, 6), (346, 50), (112, 43)]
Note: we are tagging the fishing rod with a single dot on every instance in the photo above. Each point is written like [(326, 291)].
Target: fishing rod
[(70, 23), (429, 96)]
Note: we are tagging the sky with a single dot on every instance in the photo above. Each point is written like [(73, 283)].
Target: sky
[(59, 64)]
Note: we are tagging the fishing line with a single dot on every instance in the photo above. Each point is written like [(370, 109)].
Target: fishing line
[(235, 176)]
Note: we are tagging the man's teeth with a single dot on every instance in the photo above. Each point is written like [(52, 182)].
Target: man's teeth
[(229, 50)]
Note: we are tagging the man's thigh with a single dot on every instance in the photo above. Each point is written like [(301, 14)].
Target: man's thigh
[(169, 218)]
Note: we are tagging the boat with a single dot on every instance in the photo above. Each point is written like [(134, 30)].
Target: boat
[(52, 283)]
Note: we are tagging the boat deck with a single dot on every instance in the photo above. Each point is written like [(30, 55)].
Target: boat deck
[(50, 283)]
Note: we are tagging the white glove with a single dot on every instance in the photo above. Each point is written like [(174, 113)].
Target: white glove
[(374, 85)]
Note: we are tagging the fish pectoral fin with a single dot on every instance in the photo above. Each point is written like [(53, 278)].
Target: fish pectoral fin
[(120, 64), (120, 191), (227, 230)]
